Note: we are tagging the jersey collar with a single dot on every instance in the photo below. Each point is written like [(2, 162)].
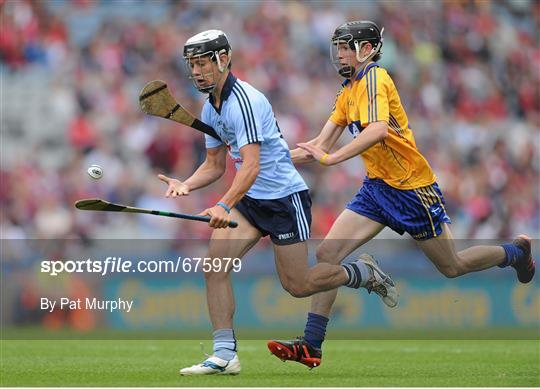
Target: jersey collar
[(362, 73), (225, 91)]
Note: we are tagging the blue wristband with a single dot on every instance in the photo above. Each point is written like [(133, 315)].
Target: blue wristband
[(224, 206)]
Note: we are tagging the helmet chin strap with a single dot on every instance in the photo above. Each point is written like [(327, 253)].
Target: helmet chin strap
[(218, 60), (207, 89), (221, 67), (347, 71), (363, 59)]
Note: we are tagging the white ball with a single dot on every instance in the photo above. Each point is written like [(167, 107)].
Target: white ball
[(95, 171)]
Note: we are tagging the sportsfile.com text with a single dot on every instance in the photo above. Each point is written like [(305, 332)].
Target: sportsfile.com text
[(112, 265)]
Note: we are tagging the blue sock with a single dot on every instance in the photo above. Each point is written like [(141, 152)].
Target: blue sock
[(358, 274), (513, 254), (224, 344), (315, 329)]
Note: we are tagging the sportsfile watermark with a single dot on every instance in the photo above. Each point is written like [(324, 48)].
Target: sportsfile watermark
[(116, 265), (157, 289)]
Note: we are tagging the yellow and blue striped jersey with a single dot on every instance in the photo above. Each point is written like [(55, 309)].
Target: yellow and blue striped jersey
[(373, 97)]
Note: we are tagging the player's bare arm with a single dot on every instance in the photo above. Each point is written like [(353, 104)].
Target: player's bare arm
[(372, 134), (326, 139), (243, 180), (210, 171)]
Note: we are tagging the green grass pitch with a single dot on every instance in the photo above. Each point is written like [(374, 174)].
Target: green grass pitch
[(345, 363)]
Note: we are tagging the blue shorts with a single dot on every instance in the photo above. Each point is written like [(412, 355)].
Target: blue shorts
[(419, 212), (287, 220)]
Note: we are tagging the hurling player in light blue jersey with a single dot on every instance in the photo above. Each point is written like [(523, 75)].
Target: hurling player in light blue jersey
[(267, 197), (245, 117)]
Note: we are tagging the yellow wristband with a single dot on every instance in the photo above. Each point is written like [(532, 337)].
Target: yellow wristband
[(324, 158)]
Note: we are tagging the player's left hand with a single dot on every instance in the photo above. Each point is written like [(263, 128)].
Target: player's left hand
[(316, 152), (219, 217)]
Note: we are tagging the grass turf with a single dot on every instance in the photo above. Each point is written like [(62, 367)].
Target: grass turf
[(345, 363)]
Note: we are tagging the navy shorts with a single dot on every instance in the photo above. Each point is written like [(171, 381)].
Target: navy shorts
[(287, 220), (419, 212)]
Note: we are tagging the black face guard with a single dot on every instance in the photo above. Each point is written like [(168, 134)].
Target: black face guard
[(346, 71)]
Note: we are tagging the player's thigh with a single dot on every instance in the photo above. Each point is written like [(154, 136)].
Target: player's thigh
[(440, 250), (233, 242), (291, 262), (349, 231)]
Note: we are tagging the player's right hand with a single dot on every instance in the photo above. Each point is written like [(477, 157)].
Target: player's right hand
[(176, 187), (219, 218), (300, 155)]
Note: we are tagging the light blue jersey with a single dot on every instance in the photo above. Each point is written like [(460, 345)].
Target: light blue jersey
[(244, 117)]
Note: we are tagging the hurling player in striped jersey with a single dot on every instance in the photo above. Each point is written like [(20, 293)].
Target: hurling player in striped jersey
[(400, 190)]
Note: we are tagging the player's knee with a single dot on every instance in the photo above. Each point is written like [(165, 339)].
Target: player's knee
[(451, 271), (296, 290)]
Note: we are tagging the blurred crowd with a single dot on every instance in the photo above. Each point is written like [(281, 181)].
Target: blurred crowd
[(467, 72)]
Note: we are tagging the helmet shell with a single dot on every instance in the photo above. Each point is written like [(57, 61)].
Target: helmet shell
[(360, 31), (206, 42)]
